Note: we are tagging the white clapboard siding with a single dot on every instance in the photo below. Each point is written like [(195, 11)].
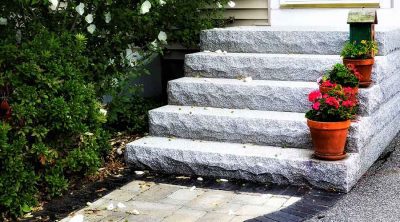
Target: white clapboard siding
[(249, 12)]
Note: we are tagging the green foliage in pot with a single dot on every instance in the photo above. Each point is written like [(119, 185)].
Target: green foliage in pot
[(359, 50), (340, 74)]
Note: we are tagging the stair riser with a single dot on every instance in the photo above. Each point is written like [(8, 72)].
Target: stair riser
[(209, 161), (364, 130), (238, 129), (247, 130), (277, 67), (209, 94), (267, 97), (289, 42)]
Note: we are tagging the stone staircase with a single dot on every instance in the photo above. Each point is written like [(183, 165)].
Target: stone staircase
[(219, 125)]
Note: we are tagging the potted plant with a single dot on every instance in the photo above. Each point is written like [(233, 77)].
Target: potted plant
[(347, 77), (361, 56), (329, 120)]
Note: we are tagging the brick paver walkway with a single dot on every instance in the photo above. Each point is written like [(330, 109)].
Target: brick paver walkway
[(149, 201)]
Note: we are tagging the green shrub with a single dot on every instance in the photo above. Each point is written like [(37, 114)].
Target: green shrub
[(56, 118), (17, 179)]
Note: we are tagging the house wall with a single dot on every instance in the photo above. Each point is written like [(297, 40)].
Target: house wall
[(388, 15), (249, 12)]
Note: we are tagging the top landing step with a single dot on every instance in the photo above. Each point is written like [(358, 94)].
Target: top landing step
[(290, 40)]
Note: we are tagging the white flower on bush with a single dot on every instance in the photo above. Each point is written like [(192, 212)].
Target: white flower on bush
[(107, 17), (162, 36), (103, 111), (219, 5), (145, 8), (91, 28), (162, 2), (231, 4), (132, 57), (54, 4), (154, 44), (80, 8), (3, 21), (89, 18)]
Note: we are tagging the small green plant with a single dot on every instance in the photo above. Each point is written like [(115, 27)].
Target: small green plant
[(359, 50), (340, 74), (337, 105)]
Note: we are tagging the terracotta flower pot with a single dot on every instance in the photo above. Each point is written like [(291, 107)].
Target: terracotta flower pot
[(364, 67), (329, 138)]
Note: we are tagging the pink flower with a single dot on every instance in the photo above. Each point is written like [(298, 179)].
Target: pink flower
[(348, 103), (332, 101), (314, 95), (327, 83), (316, 105)]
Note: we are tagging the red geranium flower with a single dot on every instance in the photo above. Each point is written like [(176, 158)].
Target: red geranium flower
[(348, 103), (316, 105), (328, 83), (348, 90), (314, 95), (332, 101)]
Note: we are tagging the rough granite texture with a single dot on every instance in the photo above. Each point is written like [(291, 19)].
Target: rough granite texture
[(239, 126), (282, 96), (281, 67), (255, 163), (289, 40), (230, 93)]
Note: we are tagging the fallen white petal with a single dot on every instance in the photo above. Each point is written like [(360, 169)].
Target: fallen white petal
[(199, 178), (121, 205), (77, 218), (119, 151), (218, 51), (110, 206), (192, 188), (139, 172), (248, 79), (88, 203), (231, 4)]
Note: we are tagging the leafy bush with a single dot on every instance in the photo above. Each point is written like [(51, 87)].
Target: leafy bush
[(57, 58), (56, 120), (359, 50)]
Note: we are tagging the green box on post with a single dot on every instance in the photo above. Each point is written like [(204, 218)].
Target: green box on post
[(362, 24)]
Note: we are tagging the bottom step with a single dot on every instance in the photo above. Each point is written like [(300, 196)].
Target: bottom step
[(243, 161)]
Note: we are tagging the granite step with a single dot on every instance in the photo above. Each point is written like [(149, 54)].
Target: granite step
[(280, 67), (290, 40), (282, 96), (233, 160)]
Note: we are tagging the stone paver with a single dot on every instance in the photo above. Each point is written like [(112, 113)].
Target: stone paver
[(185, 215), (159, 201)]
